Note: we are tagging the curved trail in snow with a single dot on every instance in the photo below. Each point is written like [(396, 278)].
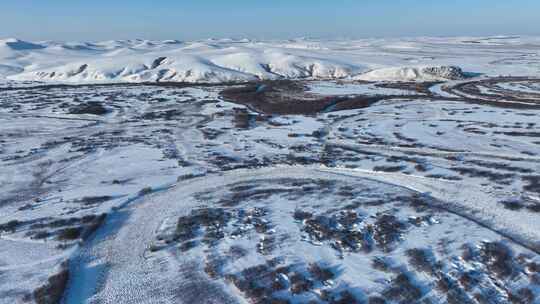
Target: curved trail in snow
[(422, 151), (113, 267)]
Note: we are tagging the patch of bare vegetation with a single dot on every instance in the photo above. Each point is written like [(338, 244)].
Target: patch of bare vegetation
[(66, 230), (53, 290), (91, 107), (291, 97)]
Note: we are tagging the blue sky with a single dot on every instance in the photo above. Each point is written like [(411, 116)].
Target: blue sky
[(196, 19)]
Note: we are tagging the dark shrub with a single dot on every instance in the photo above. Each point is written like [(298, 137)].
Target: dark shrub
[(91, 107), (376, 300), (186, 246), (91, 200), (512, 204), (522, 296), (53, 290), (403, 290), (421, 259), (345, 297), (498, 258), (10, 226), (68, 234), (41, 235), (93, 225), (387, 230), (145, 191), (300, 284), (300, 215), (320, 273)]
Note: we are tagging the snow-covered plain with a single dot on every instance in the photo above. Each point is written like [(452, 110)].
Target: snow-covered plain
[(167, 193)]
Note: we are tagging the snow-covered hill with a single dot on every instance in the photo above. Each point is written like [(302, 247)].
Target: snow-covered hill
[(227, 60), (138, 61), (429, 73)]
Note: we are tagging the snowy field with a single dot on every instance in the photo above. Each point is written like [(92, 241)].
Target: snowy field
[(223, 171)]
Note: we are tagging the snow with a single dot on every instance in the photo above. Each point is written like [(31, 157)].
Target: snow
[(400, 74), (350, 88), (18, 45), (228, 60), (180, 145)]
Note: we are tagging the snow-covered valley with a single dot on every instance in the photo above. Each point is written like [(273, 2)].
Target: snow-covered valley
[(302, 171)]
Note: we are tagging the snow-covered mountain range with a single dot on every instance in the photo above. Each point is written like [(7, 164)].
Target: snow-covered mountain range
[(229, 60)]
